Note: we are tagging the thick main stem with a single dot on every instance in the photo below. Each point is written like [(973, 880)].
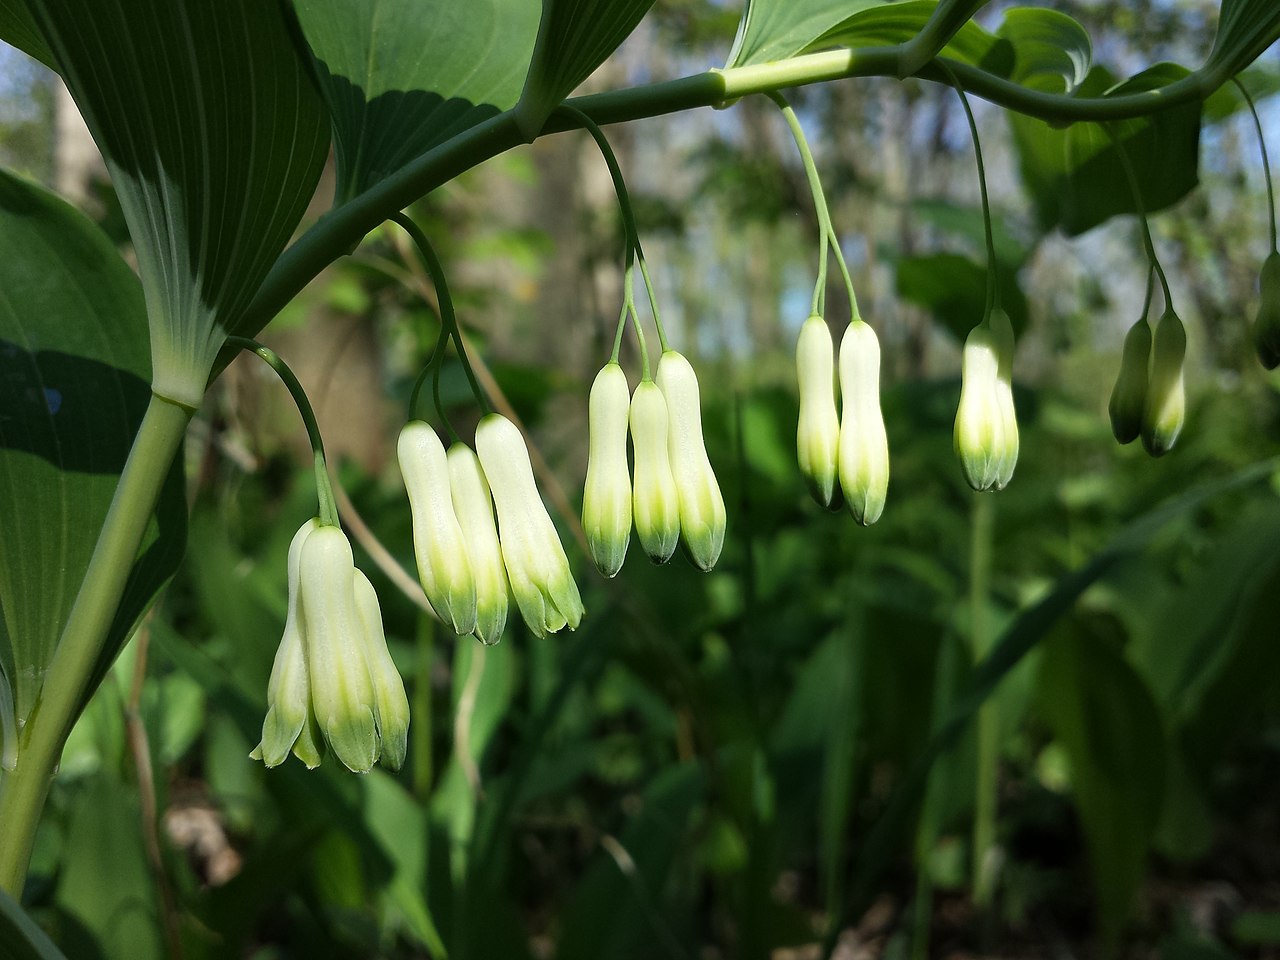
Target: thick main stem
[(40, 746)]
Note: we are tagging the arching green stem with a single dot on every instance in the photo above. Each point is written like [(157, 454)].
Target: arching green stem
[(828, 235), (629, 226), (324, 490), (993, 288), (432, 366), (432, 263), (1136, 190), (1266, 166)]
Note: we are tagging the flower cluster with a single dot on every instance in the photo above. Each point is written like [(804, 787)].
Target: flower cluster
[(674, 496), (333, 684), (986, 428), (466, 559), (853, 445), (1149, 397)]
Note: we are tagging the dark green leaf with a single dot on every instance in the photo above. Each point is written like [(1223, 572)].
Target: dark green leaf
[(20, 938), (17, 28), (954, 289), (402, 76), (1075, 176), (574, 37), (1109, 725), (1053, 52), (73, 339), (214, 137)]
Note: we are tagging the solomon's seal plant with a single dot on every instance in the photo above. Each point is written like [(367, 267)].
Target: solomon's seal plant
[(215, 121)]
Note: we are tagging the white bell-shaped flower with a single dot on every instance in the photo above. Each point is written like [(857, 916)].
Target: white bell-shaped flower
[(537, 567), (473, 505), (290, 724), (606, 496), (342, 693), (979, 428), (1129, 395), (818, 426), (702, 512), (864, 445), (1002, 332), (655, 500), (1166, 405), (444, 566)]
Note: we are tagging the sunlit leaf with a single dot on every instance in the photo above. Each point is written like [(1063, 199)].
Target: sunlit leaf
[(401, 76), (574, 37), (214, 138), (776, 29), (1075, 177), (887, 24), (73, 343)]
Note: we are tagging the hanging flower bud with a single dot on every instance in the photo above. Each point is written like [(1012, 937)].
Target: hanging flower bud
[(655, 499), (443, 565), (818, 429), (473, 505), (8, 726), (536, 563), (1129, 396), (1166, 405), (1266, 329), (702, 513), (289, 689), (391, 705), (606, 497), (342, 692), (979, 429), (864, 446), (1002, 333)]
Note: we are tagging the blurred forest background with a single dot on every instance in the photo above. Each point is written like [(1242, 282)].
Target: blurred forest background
[(811, 751)]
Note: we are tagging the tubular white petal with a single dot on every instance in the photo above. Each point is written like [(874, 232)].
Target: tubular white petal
[(391, 705), (606, 495), (655, 499), (288, 690), (864, 445), (535, 560), (818, 426), (473, 505), (333, 634), (979, 427), (702, 512), (444, 566), (1166, 406)]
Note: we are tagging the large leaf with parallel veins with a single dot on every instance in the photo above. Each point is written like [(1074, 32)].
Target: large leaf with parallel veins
[(403, 76)]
